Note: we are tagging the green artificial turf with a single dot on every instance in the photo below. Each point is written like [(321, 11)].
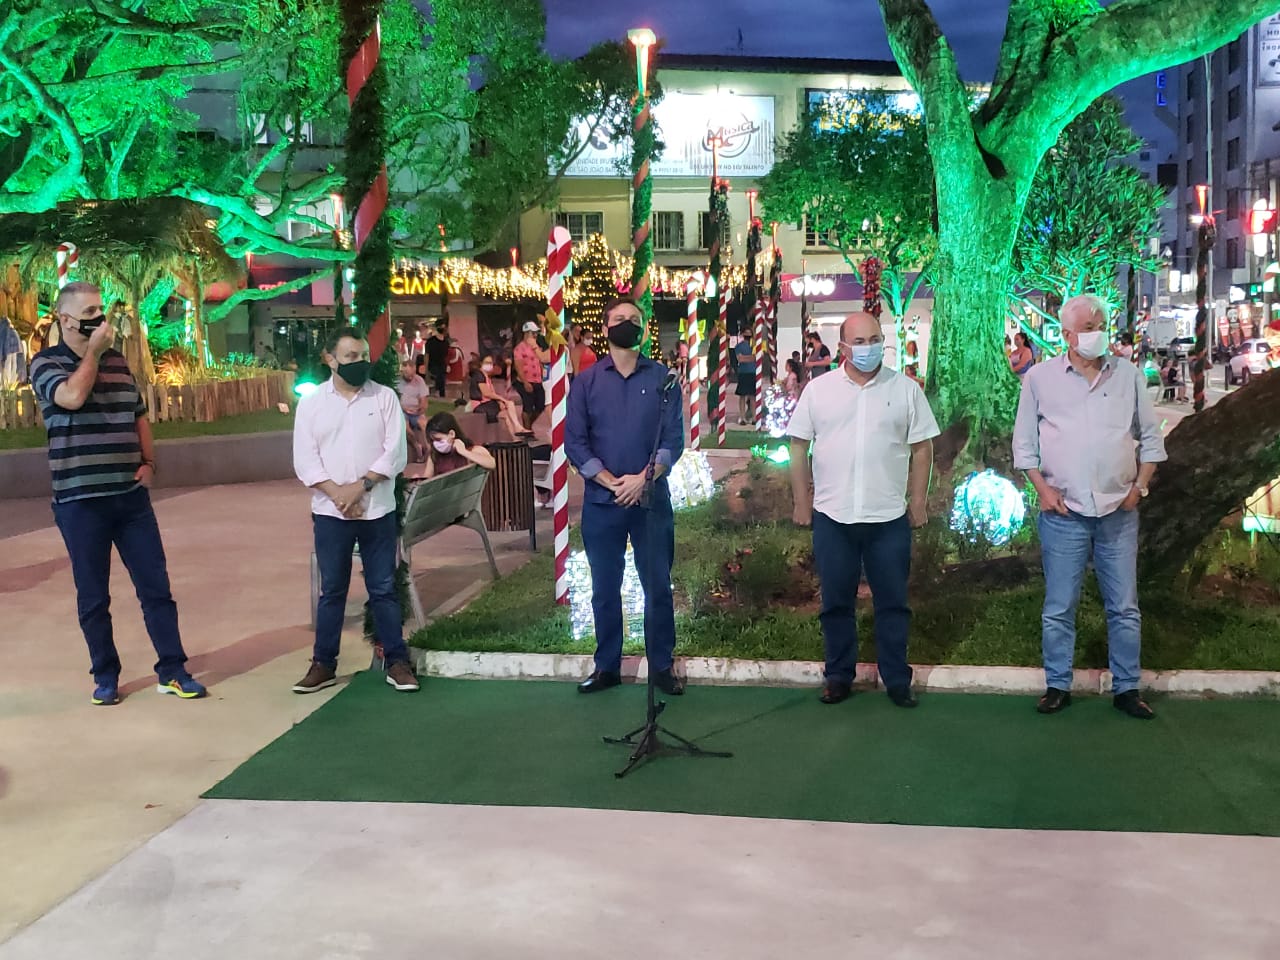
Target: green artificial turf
[(959, 760)]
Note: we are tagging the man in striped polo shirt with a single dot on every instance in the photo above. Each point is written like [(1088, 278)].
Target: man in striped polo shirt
[(103, 462)]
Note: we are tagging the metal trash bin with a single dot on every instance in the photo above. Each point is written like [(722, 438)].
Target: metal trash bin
[(507, 503)]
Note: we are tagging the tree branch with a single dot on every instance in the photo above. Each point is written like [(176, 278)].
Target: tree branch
[(929, 65), (120, 152), (1122, 41), (248, 294), (204, 69), (72, 171)]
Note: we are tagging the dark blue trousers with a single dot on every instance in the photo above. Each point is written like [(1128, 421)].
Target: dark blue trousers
[(841, 552), (335, 542), (89, 529), (605, 529)]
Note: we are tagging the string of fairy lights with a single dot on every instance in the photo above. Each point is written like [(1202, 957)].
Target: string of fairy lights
[(529, 281)]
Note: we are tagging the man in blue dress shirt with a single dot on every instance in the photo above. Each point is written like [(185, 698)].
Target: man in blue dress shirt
[(616, 409)]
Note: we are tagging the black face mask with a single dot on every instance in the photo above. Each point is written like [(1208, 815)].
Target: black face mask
[(357, 373), (625, 335), (90, 324)]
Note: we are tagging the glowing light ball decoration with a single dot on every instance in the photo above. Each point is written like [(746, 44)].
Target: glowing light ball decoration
[(581, 618), (778, 408), (988, 505), (691, 481)]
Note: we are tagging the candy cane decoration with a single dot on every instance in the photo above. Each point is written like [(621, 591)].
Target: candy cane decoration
[(695, 367), (373, 204), (68, 258), (559, 266), (759, 339), (722, 373)]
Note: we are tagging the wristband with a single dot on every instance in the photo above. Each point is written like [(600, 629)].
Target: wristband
[(151, 464)]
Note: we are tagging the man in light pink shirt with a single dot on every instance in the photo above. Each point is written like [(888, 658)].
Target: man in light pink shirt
[(348, 447)]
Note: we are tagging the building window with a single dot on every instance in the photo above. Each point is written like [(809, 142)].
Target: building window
[(1234, 261), (704, 232), (1233, 55), (1191, 82), (1190, 129), (581, 225), (1233, 153), (1191, 177), (815, 236), (1233, 102), (668, 230), (1233, 204)]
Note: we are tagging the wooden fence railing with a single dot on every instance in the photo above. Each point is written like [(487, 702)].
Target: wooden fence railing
[(202, 402)]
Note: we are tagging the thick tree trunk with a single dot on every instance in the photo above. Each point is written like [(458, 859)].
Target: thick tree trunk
[(1217, 459), (968, 374)]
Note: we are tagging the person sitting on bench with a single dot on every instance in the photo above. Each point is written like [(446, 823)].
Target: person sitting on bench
[(483, 398), (450, 449)]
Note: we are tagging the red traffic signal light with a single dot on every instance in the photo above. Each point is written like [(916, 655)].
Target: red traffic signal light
[(1261, 221)]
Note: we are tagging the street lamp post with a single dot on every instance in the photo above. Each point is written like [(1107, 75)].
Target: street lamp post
[(1206, 233), (641, 183)]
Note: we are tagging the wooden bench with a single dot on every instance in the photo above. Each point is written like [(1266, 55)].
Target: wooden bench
[(450, 500)]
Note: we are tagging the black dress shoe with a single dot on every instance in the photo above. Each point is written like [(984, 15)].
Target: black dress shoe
[(600, 680), (833, 691), (1054, 700), (1131, 702), (903, 698), (668, 683)]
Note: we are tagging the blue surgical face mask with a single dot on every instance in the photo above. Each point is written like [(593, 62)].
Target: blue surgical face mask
[(865, 356)]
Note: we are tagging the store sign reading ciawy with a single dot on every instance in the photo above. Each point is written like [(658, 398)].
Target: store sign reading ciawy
[(417, 285)]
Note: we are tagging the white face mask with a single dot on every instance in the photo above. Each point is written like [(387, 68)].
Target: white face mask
[(1091, 344), (443, 446)]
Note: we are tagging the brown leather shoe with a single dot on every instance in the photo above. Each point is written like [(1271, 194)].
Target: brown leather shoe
[(400, 676), (318, 677)]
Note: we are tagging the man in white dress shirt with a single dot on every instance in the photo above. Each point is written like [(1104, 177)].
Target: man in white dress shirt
[(1088, 439), (872, 436), (348, 447)]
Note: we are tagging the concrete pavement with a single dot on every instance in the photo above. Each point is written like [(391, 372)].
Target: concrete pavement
[(314, 881), (81, 786)]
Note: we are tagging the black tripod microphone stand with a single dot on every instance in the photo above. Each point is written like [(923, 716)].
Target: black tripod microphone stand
[(645, 737)]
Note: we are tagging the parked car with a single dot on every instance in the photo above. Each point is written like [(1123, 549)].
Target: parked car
[(1182, 347), (1252, 358)]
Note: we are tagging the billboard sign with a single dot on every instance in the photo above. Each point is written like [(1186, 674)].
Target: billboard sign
[(688, 124), (1269, 51)]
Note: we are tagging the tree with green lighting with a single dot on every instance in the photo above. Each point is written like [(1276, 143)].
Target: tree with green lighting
[(1057, 57), (96, 103), (858, 171), (1089, 211)]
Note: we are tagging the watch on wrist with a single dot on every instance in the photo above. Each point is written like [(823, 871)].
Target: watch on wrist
[(369, 485), (1142, 491)]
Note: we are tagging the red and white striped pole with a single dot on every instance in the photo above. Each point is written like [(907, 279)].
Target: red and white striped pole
[(67, 257), (559, 266), (722, 373), (759, 338), (695, 366)]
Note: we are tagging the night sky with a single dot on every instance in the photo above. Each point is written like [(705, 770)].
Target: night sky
[(815, 28)]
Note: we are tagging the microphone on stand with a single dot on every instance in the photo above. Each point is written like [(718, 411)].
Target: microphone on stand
[(673, 377)]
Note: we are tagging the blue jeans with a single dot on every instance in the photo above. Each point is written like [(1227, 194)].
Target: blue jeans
[(335, 542), (841, 552), (89, 529), (605, 528), (1067, 543)]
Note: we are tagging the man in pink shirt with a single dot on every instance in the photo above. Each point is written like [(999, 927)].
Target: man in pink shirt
[(348, 448), (529, 357)]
